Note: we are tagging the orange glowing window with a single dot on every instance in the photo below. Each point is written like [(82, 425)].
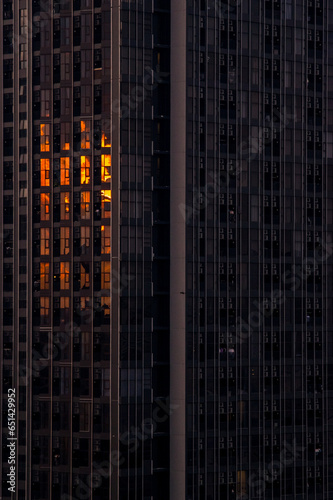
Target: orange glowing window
[(85, 134), (44, 306), (106, 168), (65, 136), (106, 202), (106, 141), (44, 241), (85, 170), (64, 240), (64, 206), (44, 276), (106, 305), (85, 276), (106, 239), (44, 172), (64, 275), (64, 171), (105, 275), (85, 239), (44, 206), (85, 205), (44, 137)]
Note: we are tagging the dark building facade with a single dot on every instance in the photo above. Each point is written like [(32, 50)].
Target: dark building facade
[(166, 217)]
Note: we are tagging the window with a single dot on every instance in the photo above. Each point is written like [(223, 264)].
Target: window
[(23, 21), (64, 240), (105, 275), (106, 141), (85, 205), (44, 241), (65, 65), (106, 203), (85, 239), (64, 275), (65, 136), (23, 55), (84, 417), (85, 276), (44, 310), (64, 206), (106, 239), (44, 206), (45, 104), (44, 276), (85, 134), (64, 171), (64, 309), (44, 137), (106, 168), (106, 305), (44, 172), (85, 170)]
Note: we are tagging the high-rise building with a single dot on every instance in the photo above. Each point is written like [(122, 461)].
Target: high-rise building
[(166, 200)]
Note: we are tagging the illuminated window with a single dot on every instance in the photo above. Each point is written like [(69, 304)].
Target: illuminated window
[(64, 172), (106, 168), (64, 206), (44, 241), (106, 203), (106, 140), (64, 240), (44, 206), (85, 134), (44, 310), (44, 137), (105, 275), (85, 276), (65, 136), (85, 239), (44, 172), (85, 303), (106, 305), (64, 275), (44, 276), (85, 170), (64, 309), (85, 205), (106, 239)]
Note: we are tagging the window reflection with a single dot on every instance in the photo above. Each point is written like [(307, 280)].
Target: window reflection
[(85, 205), (106, 168), (64, 275), (64, 171), (64, 206), (106, 305), (44, 172), (44, 206), (64, 240), (85, 239), (44, 276), (106, 239), (64, 309), (85, 276), (85, 134), (106, 140), (45, 137), (45, 241), (85, 170), (106, 273), (44, 310), (106, 203)]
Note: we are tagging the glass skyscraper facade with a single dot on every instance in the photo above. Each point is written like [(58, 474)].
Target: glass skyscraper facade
[(166, 198)]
